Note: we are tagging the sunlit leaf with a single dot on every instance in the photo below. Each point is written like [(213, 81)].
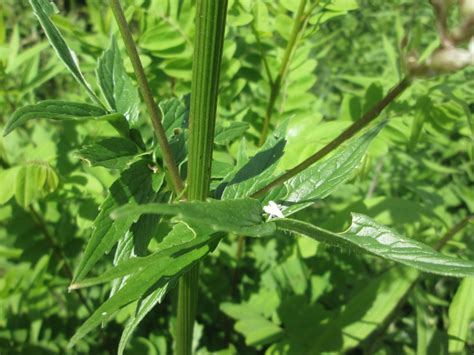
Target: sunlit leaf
[(321, 179), (258, 171), (43, 10), (134, 186), (62, 111), (112, 153), (154, 271), (224, 135), (7, 184), (119, 90), (366, 235), (33, 181), (175, 115), (242, 216)]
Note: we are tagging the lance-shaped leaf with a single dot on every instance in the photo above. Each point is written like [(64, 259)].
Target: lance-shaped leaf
[(366, 235), (258, 171), (154, 271), (243, 216), (119, 91), (134, 186), (111, 153), (44, 9), (63, 111), (135, 241), (179, 235), (321, 179), (143, 263), (143, 307)]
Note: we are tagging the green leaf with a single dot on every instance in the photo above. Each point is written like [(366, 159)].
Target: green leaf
[(171, 41), (120, 92), (33, 181), (111, 153), (44, 9), (258, 331), (225, 135), (367, 311), (143, 307), (7, 184), (180, 234), (154, 271), (134, 186), (61, 111), (321, 179), (461, 316), (258, 171), (175, 115), (366, 235), (135, 242), (251, 323), (141, 264), (175, 121), (243, 216)]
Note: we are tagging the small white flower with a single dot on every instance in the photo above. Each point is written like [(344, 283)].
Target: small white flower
[(273, 210)]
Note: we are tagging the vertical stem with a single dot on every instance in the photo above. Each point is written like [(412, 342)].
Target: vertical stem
[(208, 43), (155, 113)]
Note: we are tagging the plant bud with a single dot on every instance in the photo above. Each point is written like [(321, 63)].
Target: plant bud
[(467, 8), (450, 59)]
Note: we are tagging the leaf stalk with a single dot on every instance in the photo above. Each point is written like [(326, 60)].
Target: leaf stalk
[(351, 131), (155, 113)]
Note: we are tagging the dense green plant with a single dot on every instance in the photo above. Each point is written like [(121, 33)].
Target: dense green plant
[(187, 189)]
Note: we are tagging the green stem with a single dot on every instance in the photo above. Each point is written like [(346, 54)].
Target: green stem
[(352, 130), (208, 44), (155, 113), (453, 231), (275, 85)]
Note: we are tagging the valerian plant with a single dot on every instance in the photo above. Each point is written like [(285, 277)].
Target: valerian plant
[(168, 179)]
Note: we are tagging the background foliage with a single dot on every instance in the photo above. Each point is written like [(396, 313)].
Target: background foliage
[(282, 295)]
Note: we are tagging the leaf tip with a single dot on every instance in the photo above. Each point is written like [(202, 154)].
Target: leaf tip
[(7, 131)]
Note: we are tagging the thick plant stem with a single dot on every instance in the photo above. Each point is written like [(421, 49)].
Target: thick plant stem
[(275, 85), (208, 43), (155, 113), (352, 130)]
